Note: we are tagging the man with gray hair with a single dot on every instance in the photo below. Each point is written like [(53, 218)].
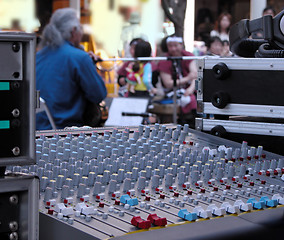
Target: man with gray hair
[(65, 74)]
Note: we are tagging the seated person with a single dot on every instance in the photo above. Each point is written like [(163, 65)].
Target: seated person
[(214, 46), (121, 71), (66, 75), (226, 49), (186, 75), (138, 75)]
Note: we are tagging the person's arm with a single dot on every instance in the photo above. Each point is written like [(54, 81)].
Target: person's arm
[(91, 82), (121, 81), (169, 82), (192, 76), (147, 76), (190, 90), (122, 74), (95, 58)]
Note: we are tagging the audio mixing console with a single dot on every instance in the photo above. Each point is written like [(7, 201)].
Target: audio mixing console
[(103, 183)]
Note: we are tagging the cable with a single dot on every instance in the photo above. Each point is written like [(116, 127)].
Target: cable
[(265, 52)]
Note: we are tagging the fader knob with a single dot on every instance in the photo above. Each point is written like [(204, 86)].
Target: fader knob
[(120, 176), (76, 179), (259, 151), (155, 181), (81, 190), (194, 176), (273, 164), (97, 188), (65, 192), (182, 137), (47, 194), (264, 165), (257, 166), (106, 177), (229, 153), (169, 180), (91, 178), (280, 163), (126, 184), (220, 173), (112, 186), (141, 183), (59, 181), (181, 178), (69, 182), (207, 175), (231, 172), (43, 183), (242, 170)]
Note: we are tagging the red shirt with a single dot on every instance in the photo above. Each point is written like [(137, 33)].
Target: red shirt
[(166, 65)]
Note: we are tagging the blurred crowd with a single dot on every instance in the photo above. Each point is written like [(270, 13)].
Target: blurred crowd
[(72, 88), (213, 38)]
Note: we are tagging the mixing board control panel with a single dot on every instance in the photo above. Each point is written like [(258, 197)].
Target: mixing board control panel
[(114, 181)]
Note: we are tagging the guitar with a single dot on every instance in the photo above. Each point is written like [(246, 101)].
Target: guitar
[(95, 115)]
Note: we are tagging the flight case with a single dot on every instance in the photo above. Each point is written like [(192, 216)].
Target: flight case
[(241, 96)]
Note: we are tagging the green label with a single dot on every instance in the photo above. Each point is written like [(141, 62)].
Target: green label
[(4, 86), (4, 124)]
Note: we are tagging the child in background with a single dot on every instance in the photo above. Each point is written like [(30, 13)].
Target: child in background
[(122, 70), (226, 49), (214, 46), (139, 74)]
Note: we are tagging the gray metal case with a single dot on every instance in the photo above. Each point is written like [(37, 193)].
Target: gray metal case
[(252, 87), (18, 98), (246, 127), (248, 87), (19, 207)]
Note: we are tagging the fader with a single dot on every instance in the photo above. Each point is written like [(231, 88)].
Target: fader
[(113, 181)]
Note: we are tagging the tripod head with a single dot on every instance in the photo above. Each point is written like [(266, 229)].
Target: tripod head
[(272, 44)]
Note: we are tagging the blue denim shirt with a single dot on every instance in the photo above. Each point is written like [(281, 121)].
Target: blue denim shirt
[(66, 77)]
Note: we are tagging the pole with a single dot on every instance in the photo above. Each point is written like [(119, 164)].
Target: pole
[(151, 59), (188, 35), (256, 8), (174, 77), (75, 4)]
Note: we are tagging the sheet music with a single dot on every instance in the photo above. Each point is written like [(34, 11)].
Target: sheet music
[(129, 105)]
